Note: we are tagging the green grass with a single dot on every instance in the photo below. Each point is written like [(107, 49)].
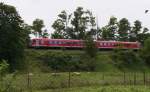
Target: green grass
[(45, 81), (104, 63), (102, 89)]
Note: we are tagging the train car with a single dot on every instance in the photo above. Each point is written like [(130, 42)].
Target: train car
[(68, 43), (117, 44)]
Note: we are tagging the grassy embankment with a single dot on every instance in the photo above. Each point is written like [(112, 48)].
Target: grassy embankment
[(106, 78)]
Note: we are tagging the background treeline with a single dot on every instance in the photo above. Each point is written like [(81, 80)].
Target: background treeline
[(81, 24)]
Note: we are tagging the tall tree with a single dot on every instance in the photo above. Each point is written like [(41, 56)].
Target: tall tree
[(105, 33), (136, 29), (37, 26), (145, 52), (61, 26), (112, 28), (123, 29), (45, 33), (12, 36), (141, 37), (27, 31), (109, 31), (74, 26)]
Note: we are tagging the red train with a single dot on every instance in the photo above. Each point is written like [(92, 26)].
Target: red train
[(68, 43)]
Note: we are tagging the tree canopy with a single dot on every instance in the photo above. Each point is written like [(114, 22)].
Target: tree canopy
[(12, 36)]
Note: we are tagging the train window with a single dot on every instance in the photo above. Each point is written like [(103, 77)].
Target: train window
[(41, 41), (55, 42), (59, 42), (74, 43), (112, 44), (108, 44), (33, 41), (105, 44), (50, 42), (101, 44)]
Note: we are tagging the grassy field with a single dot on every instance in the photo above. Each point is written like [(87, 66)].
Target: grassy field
[(49, 81), (103, 89), (106, 78), (104, 62)]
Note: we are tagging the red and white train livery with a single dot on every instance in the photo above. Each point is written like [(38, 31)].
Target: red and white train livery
[(68, 43)]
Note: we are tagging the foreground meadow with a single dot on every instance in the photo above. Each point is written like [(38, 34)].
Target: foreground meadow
[(102, 89), (88, 81)]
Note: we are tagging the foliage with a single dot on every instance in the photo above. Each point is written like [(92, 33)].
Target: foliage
[(90, 47), (123, 29), (12, 36), (145, 51), (3, 68), (60, 61), (136, 29), (127, 59), (27, 28), (74, 26), (110, 30), (141, 37), (5, 81), (37, 26)]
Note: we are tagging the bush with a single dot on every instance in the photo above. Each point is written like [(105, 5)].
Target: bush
[(127, 59), (61, 61)]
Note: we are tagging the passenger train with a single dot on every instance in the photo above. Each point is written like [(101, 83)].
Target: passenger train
[(79, 44)]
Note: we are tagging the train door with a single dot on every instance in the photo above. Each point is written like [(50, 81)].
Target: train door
[(37, 42)]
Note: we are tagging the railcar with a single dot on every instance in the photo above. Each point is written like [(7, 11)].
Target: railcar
[(70, 43)]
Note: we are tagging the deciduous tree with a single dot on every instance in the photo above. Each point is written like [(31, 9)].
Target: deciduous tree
[(12, 36)]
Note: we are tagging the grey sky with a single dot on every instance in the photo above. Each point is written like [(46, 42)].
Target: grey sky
[(104, 9)]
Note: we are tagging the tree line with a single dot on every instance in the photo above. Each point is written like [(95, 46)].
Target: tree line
[(81, 22)]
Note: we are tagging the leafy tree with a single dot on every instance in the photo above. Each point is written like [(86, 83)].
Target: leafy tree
[(74, 26), (12, 36), (45, 33), (90, 47), (136, 29), (112, 28), (123, 29), (105, 33), (145, 52), (37, 26), (141, 37), (61, 25), (90, 53), (27, 31), (109, 31)]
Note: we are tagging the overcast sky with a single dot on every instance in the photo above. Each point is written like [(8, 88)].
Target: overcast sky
[(103, 9)]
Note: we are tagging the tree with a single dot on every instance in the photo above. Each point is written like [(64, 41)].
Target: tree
[(135, 31), (123, 29), (145, 51), (90, 53), (90, 47), (74, 26), (112, 28), (105, 33), (141, 37), (27, 31), (12, 36), (61, 26), (37, 26), (109, 31)]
